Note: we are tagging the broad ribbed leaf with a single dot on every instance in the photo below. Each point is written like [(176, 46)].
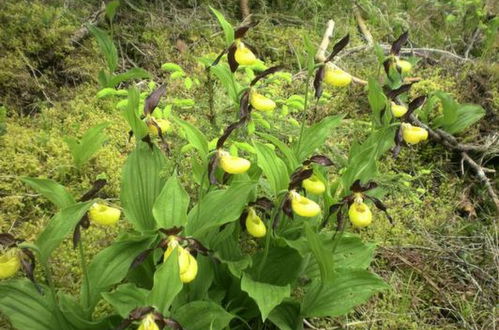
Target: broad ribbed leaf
[(106, 46), (133, 73), (131, 114), (167, 284), (59, 227), (322, 255), (273, 167), (170, 208), (51, 190), (266, 296), (286, 316), (202, 315), (218, 207), (282, 266), (141, 185), (347, 289), (26, 308), (291, 161), (76, 317), (377, 99), (195, 137), (125, 298), (315, 136), (110, 266), (84, 149), (226, 26)]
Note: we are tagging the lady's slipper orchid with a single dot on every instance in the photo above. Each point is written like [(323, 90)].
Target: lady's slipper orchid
[(359, 213), (163, 124), (244, 55), (10, 263), (404, 66), (413, 134), (314, 185), (398, 110), (303, 206), (254, 224), (233, 164), (260, 102), (148, 323), (187, 264), (103, 214), (337, 77)]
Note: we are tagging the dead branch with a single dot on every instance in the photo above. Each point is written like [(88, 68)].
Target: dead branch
[(450, 141), (83, 31), (421, 51), (245, 11), (363, 27), (326, 38), (320, 56)]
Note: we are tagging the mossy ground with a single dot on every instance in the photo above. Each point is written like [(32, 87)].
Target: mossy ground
[(438, 260)]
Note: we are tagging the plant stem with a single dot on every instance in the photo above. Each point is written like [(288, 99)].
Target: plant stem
[(211, 114), (305, 108), (84, 270), (265, 252), (50, 282)]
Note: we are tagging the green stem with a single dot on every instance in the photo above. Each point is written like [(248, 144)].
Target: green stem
[(265, 252), (305, 108), (84, 269), (50, 281), (211, 113)]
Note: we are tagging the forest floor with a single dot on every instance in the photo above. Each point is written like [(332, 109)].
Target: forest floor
[(441, 257)]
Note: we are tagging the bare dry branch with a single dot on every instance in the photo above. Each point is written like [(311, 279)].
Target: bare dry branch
[(450, 141), (326, 38)]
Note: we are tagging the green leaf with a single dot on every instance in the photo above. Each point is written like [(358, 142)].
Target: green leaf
[(223, 73), (84, 149), (202, 315), (171, 67), (59, 227), (51, 190), (467, 115), (282, 266), (195, 137), (218, 207), (456, 117), (133, 73), (75, 315), (291, 161), (167, 284), (322, 255), (26, 308), (110, 266), (125, 298), (266, 296), (141, 185), (106, 46), (347, 289), (315, 136), (170, 208), (449, 108), (273, 167), (286, 316), (131, 114), (111, 9), (377, 99), (362, 161), (226, 26)]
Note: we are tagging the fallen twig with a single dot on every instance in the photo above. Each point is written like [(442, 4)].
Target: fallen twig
[(450, 141), (420, 51), (83, 31)]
